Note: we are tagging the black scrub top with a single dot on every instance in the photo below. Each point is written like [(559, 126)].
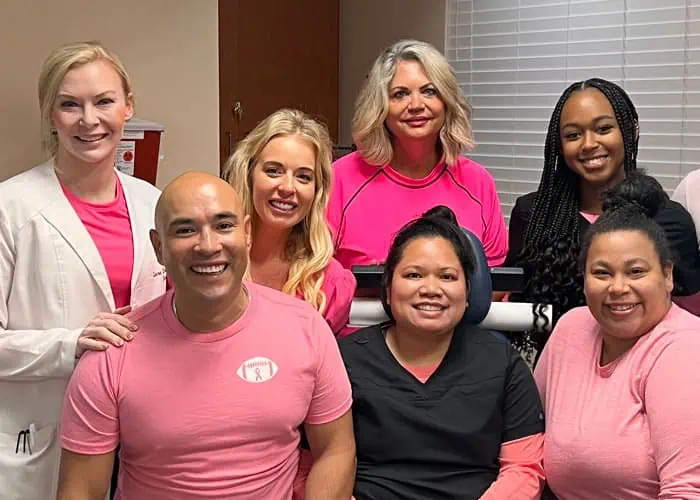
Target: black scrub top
[(440, 439), (675, 220)]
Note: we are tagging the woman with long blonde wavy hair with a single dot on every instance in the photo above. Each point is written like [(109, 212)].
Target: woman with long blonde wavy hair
[(282, 172)]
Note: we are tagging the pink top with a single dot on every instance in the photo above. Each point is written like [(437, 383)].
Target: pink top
[(422, 373), (368, 206), (110, 228), (591, 218), (629, 429), (212, 415), (339, 286)]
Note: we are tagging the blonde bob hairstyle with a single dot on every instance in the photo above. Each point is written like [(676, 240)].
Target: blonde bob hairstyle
[(54, 69), (369, 132), (309, 247)]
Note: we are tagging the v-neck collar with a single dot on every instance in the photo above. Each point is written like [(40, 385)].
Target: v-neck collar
[(405, 374)]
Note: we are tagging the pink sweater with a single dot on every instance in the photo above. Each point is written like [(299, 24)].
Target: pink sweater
[(629, 429), (368, 206)]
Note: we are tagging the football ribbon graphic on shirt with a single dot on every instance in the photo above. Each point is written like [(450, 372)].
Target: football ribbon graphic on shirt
[(257, 370)]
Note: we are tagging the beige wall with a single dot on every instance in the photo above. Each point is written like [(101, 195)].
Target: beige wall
[(169, 47), (366, 27)]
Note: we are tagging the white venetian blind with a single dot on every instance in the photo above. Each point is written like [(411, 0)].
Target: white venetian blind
[(514, 58)]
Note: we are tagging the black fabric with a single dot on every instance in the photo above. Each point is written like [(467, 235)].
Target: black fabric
[(548, 494), (480, 286), (441, 439), (115, 475), (672, 217)]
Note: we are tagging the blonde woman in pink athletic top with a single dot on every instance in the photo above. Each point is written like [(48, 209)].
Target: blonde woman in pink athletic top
[(619, 378), (411, 126)]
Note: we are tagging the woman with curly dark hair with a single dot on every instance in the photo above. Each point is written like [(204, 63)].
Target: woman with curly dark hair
[(591, 146)]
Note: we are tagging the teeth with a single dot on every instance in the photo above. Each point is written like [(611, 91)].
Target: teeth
[(92, 139), (282, 205), (628, 307), (595, 162), (209, 269), (428, 307)]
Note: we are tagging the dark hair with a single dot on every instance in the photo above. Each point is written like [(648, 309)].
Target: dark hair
[(438, 222), (551, 243), (631, 206)]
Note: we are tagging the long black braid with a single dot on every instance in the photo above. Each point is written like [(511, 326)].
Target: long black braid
[(551, 245)]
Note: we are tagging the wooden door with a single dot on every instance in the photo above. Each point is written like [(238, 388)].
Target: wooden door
[(275, 54)]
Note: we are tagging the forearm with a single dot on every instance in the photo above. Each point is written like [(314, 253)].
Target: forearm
[(79, 491), (332, 477), (84, 477)]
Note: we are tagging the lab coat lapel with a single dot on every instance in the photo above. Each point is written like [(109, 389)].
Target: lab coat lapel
[(60, 214), (141, 222)]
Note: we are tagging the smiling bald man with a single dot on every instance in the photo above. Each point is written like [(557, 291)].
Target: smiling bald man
[(207, 400)]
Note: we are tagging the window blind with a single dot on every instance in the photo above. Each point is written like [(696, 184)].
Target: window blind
[(514, 58)]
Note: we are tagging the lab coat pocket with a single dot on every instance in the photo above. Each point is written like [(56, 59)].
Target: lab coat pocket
[(150, 284), (29, 464)]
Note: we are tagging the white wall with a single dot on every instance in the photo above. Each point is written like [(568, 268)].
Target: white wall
[(367, 27), (169, 48)]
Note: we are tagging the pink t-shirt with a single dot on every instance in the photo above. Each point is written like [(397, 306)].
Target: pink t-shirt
[(339, 286), (369, 205), (110, 228), (629, 429), (212, 415)]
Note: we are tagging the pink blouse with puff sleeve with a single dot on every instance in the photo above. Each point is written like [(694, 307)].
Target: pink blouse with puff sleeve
[(339, 286)]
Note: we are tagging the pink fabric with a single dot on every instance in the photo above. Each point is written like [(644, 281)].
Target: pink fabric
[(368, 206), (521, 474), (591, 218), (306, 461), (213, 415), (422, 373), (339, 286), (110, 228), (628, 429)]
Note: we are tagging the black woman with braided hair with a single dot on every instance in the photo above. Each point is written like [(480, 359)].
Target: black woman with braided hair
[(591, 147)]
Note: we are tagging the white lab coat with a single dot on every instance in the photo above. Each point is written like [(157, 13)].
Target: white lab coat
[(52, 282)]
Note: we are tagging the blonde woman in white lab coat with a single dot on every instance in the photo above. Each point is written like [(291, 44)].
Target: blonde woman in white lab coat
[(74, 258)]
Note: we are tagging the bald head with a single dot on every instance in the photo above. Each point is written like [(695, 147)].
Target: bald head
[(190, 189), (202, 237)]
